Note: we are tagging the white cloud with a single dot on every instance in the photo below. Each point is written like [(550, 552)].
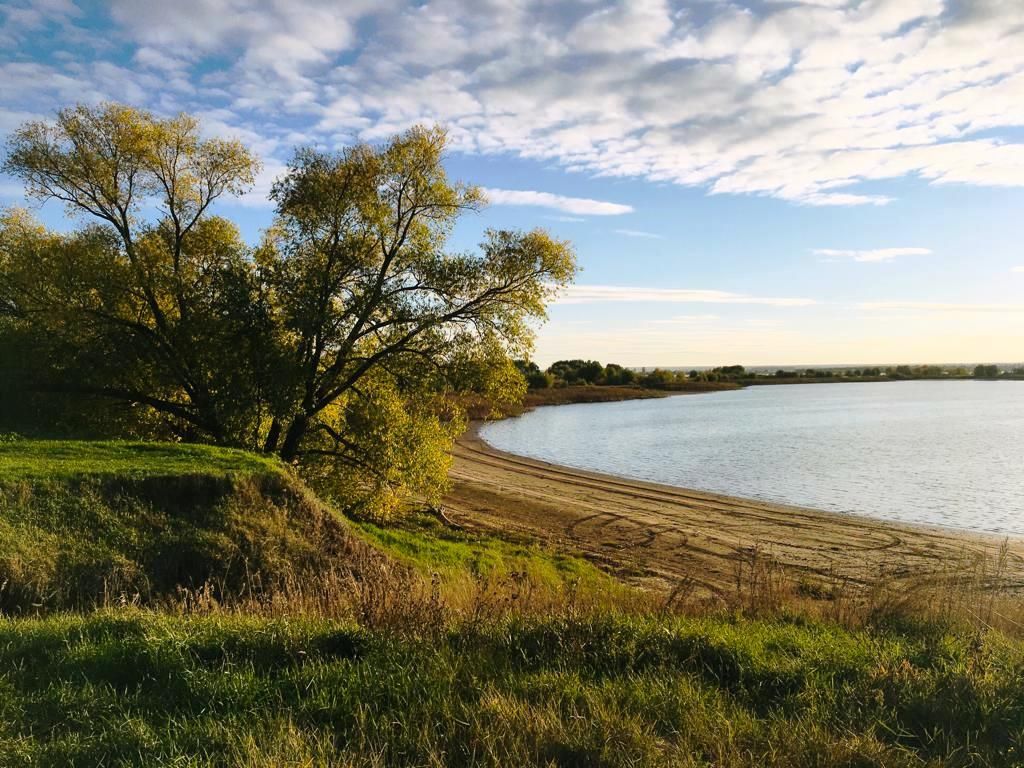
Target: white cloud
[(874, 255), (638, 233), (263, 29), (155, 59), (810, 102), (837, 198), (1017, 269), (577, 205), (633, 26), (21, 16), (259, 195), (593, 294)]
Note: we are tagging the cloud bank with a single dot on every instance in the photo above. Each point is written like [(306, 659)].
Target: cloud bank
[(809, 101)]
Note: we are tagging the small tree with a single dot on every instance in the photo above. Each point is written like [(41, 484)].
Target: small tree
[(986, 371), (577, 371), (617, 375), (659, 378)]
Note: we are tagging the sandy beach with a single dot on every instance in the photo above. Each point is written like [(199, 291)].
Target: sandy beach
[(659, 534)]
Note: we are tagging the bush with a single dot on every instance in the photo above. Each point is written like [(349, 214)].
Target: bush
[(540, 380)]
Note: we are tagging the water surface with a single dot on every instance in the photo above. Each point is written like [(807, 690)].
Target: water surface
[(945, 453)]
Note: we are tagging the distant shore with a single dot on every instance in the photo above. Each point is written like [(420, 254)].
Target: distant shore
[(597, 393), (663, 534), (606, 394)]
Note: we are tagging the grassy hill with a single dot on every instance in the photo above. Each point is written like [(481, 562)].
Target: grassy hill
[(274, 633), (85, 522)]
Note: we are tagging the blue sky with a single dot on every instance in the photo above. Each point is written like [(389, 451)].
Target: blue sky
[(763, 182)]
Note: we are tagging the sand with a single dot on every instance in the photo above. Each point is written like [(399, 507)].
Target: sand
[(660, 535)]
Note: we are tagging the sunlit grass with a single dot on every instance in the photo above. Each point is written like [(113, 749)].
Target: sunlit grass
[(64, 459), (138, 688), (426, 544)]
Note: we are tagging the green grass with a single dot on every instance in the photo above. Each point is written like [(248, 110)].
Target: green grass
[(424, 543), (33, 460), (460, 650), (135, 688), (82, 522)]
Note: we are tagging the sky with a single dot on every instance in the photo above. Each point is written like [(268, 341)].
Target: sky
[(765, 182)]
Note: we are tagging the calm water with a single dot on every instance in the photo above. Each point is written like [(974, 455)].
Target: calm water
[(940, 452)]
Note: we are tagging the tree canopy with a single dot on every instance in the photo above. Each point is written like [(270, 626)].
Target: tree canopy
[(342, 341)]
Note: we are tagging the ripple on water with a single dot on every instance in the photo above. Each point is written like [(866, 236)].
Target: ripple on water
[(937, 452)]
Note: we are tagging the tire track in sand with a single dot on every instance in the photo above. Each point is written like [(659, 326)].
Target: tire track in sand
[(667, 533)]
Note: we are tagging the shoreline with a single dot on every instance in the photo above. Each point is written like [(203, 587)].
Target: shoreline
[(660, 535)]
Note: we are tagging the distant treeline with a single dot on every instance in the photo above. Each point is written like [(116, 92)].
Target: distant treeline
[(897, 372), (573, 373)]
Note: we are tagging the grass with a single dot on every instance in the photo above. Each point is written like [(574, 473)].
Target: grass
[(34, 460), (272, 636), (82, 523), (424, 543), (139, 688)]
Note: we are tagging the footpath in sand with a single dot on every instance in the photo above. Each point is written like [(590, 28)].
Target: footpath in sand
[(656, 533)]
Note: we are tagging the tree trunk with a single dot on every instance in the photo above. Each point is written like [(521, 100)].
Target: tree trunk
[(273, 435), (293, 438)]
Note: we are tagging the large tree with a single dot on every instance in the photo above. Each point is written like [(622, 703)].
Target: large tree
[(342, 342)]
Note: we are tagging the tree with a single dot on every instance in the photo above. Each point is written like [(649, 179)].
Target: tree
[(659, 378), (577, 371), (527, 367), (134, 306), (540, 380), (535, 377), (617, 375), (729, 372), (986, 371), (342, 342)]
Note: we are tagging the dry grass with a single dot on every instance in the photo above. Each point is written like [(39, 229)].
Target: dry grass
[(381, 593), (378, 591), (974, 592)]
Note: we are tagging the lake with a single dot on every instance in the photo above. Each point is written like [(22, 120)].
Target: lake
[(947, 453)]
